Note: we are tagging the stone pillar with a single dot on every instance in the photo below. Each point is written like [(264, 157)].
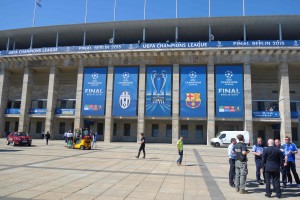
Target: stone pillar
[(284, 101), (210, 100), (51, 99), (78, 122), (4, 78), (108, 108), (141, 102), (175, 104), (248, 124), (25, 100)]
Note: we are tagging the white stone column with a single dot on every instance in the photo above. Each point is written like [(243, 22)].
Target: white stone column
[(51, 99), (141, 102), (175, 104), (4, 77), (248, 124), (210, 100), (78, 122), (108, 127), (284, 101), (25, 100)]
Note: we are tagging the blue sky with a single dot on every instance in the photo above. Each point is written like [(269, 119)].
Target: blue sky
[(19, 13)]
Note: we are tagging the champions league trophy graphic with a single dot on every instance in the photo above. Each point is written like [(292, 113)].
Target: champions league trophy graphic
[(158, 82)]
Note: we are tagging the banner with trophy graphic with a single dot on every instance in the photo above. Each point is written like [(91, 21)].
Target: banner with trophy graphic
[(159, 92), (94, 91), (193, 91), (229, 92), (125, 91)]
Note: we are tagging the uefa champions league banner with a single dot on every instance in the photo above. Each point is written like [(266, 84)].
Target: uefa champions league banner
[(94, 91), (125, 91), (229, 92), (192, 91), (159, 92)]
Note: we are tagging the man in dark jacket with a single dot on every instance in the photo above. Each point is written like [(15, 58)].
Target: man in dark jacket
[(272, 158)]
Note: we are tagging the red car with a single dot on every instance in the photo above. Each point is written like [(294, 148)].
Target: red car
[(19, 138)]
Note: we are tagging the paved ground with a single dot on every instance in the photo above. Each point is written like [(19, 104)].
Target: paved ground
[(111, 171)]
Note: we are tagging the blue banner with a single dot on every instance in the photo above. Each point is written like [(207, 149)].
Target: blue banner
[(64, 111), (12, 111), (159, 92), (192, 91), (125, 91), (177, 45), (94, 91), (40, 111), (229, 92), (266, 114)]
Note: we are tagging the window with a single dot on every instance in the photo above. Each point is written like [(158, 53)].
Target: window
[(199, 131), (73, 104), (63, 104), (261, 106), (9, 104), (17, 104), (7, 125), (40, 104), (222, 136), (126, 129), (72, 127), (293, 107), (62, 127), (39, 127), (155, 131), (16, 126), (169, 131), (100, 128), (295, 134), (115, 129), (184, 131)]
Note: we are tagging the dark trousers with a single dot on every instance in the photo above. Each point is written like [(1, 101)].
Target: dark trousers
[(258, 163), (231, 171), (47, 141), (283, 174), (292, 167), (275, 177), (142, 147)]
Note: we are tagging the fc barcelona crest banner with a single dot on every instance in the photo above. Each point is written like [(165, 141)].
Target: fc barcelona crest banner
[(192, 91), (125, 91), (94, 91), (159, 92), (229, 92)]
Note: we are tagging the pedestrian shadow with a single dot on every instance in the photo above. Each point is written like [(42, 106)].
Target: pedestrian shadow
[(191, 165), (9, 150)]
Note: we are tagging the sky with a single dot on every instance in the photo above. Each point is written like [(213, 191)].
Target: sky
[(16, 14)]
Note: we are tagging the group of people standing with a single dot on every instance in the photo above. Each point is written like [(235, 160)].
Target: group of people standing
[(270, 161)]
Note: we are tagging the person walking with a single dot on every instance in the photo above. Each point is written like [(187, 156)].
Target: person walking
[(290, 150), (257, 150), (232, 157), (47, 137), (282, 167), (95, 137), (241, 168), (142, 147), (180, 150), (272, 158)]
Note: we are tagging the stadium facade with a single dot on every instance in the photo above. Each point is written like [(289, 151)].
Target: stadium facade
[(165, 78)]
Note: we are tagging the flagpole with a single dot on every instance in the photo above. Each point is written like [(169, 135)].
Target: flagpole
[(86, 10), (176, 9), (145, 3), (208, 8), (243, 7), (34, 11), (115, 10)]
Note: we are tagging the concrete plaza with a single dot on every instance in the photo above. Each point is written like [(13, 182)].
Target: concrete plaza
[(111, 171)]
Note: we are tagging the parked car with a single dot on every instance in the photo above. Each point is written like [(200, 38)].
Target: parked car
[(19, 138), (223, 139)]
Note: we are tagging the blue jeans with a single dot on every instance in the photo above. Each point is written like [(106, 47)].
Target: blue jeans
[(180, 153)]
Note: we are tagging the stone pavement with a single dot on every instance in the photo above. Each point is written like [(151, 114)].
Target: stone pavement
[(111, 171)]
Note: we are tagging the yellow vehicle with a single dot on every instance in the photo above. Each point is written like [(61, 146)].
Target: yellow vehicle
[(82, 143)]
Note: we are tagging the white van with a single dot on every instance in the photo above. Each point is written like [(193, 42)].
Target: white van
[(223, 139)]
